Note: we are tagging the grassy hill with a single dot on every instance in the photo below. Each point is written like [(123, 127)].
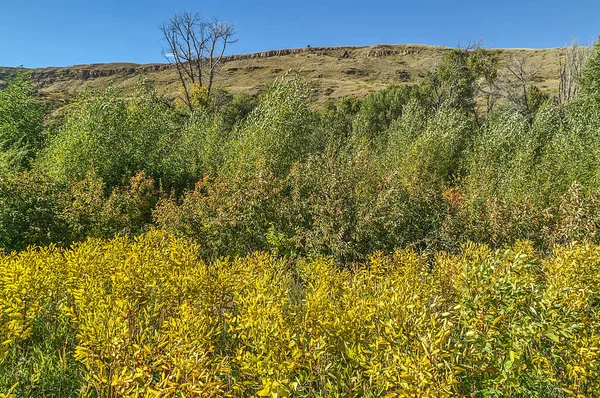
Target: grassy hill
[(333, 71)]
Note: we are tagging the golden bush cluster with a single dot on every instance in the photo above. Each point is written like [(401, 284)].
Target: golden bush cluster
[(151, 319)]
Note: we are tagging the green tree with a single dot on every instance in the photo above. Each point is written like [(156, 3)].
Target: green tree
[(460, 77), (118, 136), (28, 211), (278, 132), (336, 118), (21, 122), (379, 110), (590, 76)]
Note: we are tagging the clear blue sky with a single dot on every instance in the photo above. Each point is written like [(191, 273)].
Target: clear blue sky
[(66, 32)]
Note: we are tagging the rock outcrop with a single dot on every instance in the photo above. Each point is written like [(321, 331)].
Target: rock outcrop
[(387, 51), (283, 52), (48, 76)]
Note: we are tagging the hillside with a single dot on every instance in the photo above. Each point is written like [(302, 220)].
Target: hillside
[(333, 71), (405, 244)]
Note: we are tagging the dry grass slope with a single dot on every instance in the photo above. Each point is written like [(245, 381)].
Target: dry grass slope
[(334, 71)]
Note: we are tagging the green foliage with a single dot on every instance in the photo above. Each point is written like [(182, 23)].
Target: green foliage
[(496, 152), (377, 111), (37, 210), (228, 215), (569, 156), (87, 211), (536, 99), (21, 123), (344, 204), (432, 157), (28, 210), (116, 136), (336, 119), (201, 147), (278, 132), (332, 195), (455, 82), (498, 199), (415, 166), (590, 75), (233, 109), (44, 366)]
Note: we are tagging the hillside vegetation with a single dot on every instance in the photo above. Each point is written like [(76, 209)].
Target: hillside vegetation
[(432, 239)]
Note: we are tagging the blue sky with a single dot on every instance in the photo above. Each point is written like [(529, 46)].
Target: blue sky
[(60, 32)]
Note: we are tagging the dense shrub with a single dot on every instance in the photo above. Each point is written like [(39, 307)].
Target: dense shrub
[(201, 147), (571, 153), (434, 156), (145, 316), (28, 211), (21, 123), (234, 109), (344, 204), (88, 211), (377, 111), (227, 215), (590, 75), (416, 166), (277, 133), (35, 209), (116, 136)]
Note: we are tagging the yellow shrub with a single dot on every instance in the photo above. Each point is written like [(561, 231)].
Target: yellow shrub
[(151, 319)]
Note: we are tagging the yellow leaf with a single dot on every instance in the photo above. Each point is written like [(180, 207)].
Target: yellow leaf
[(265, 392)]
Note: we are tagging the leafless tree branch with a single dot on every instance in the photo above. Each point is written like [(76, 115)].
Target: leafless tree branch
[(571, 65), (197, 47)]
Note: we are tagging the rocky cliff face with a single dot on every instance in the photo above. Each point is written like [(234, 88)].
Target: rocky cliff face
[(47, 76), (342, 52), (387, 51), (288, 51)]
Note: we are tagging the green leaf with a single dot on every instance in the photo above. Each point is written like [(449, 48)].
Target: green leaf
[(553, 337)]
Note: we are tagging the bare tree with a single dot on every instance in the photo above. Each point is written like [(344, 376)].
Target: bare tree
[(220, 35), (571, 65), (515, 84), (197, 48)]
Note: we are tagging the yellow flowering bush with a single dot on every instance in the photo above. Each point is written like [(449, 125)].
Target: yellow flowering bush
[(149, 318)]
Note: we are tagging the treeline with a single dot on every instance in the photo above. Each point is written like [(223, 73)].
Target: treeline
[(462, 156)]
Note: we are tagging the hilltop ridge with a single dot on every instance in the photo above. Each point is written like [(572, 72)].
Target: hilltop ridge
[(334, 71)]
